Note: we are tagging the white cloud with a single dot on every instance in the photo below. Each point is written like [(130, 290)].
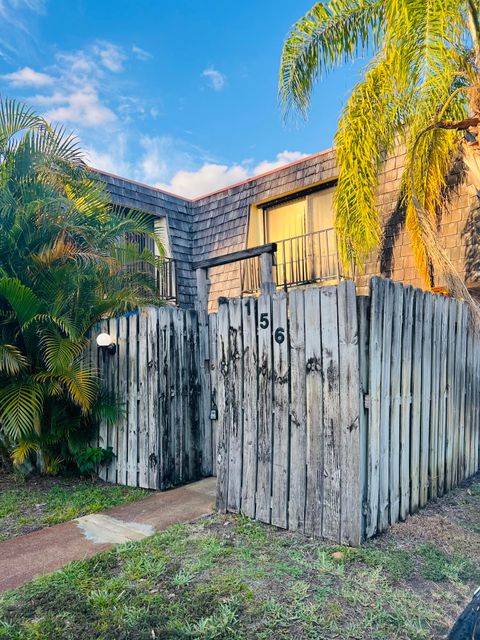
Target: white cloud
[(16, 20), (211, 177), (216, 79), (113, 158), (82, 107), (28, 77), (283, 158), (74, 91), (33, 5), (141, 54), (76, 66), (111, 56), (150, 159)]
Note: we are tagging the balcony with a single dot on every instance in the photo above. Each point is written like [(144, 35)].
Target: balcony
[(165, 275), (167, 280), (303, 260)]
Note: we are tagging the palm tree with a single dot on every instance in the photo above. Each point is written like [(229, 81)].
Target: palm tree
[(67, 259), (420, 87)]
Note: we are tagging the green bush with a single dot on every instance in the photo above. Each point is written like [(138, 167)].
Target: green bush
[(67, 260)]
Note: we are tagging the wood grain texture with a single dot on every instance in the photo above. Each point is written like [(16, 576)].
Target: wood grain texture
[(122, 429), (281, 410), (416, 419), (406, 401), (425, 408), (298, 414), (350, 453), (235, 398), (142, 406), (153, 400), (132, 403), (250, 405), (387, 289), (375, 378), (314, 414), (223, 403), (331, 414), (265, 394), (396, 404), (213, 400), (112, 389)]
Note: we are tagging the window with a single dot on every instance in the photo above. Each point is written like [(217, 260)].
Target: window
[(303, 230)]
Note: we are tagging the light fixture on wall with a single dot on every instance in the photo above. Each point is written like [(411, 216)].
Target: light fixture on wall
[(105, 343)]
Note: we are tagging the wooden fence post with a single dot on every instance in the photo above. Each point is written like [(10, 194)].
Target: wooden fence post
[(204, 373), (267, 285)]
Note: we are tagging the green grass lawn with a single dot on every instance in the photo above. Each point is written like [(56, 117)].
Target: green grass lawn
[(231, 578), (27, 505)]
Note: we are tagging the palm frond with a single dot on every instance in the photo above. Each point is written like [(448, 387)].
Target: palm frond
[(367, 131), (20, 298), (23, 450), (328, 35), (15, 117), (21, 404), (12, 360), (79, 381), (59, 352)]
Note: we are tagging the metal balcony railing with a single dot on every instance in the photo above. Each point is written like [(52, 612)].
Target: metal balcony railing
[(165, 275), (167, 280), (302, 260)]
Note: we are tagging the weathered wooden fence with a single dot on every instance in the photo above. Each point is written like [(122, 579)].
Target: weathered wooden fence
[(287, 387), (420, 364), (338, 414), (161, 439)]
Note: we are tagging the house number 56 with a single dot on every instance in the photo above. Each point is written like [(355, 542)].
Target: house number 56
[(264, 323)]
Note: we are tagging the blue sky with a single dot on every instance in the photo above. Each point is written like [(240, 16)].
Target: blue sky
[(181, 95)]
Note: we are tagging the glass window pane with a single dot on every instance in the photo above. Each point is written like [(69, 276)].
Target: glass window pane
[(324, 242), (284, 223), (321, 208)]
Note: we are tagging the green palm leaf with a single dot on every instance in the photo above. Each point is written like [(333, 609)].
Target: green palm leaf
[(424, 68), (21, 404), (12, 360), (20, 298)]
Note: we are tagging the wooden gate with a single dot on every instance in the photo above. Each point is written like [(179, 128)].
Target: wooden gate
[(161, 439), (339, 415), (286, 382)]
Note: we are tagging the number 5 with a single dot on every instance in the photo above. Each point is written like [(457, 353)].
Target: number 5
[(264, 322)]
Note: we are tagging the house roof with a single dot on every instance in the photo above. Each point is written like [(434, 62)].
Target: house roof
[(226, 188)]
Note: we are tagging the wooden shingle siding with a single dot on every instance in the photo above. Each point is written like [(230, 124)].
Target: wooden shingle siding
[(220, 220), (216, 224), (178, 212)]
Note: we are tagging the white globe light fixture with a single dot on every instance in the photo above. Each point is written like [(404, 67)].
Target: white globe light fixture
[(105, 342)]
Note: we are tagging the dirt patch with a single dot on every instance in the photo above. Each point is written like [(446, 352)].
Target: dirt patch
[(452, 523)]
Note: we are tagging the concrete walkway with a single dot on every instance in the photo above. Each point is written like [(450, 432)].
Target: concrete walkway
[(46, 550)]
